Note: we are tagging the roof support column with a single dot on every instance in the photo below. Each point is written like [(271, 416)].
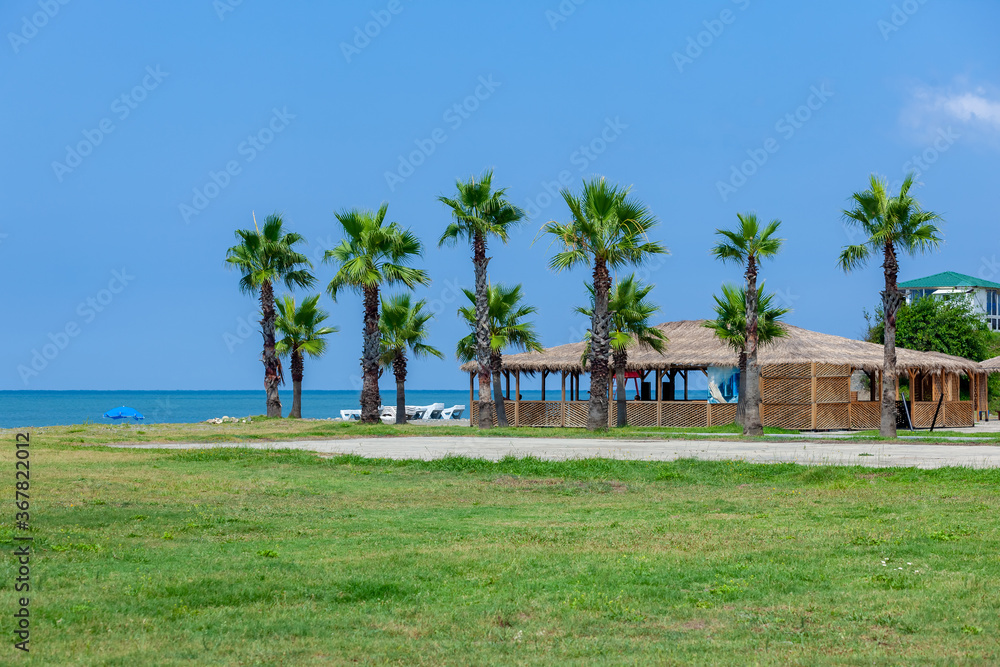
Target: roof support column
[(517, 398), (659, 398), (562, 401), (812, 395)]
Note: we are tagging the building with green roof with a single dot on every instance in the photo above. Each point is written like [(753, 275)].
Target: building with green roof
[(983, 294)]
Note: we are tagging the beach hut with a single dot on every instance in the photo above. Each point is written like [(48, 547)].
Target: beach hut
[(809, 381)]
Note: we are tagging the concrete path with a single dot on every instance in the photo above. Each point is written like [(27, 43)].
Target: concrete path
[(557, 449)]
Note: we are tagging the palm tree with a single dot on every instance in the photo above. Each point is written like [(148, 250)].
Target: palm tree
[(403, 325), (630, 312), (301, 335), (478, 213), (891, 224), (265, 256), (609, 229), (748, 245), (506, 331), (373, 253), (730, 326)]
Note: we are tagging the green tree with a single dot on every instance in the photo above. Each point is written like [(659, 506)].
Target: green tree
[(479, 213), (301, 334), (951, 325), (609, 230), (890, 225), (630, 310), (403, 326), (748, 245), (730, 326), (263, 257), (373, 253), (507, 330)]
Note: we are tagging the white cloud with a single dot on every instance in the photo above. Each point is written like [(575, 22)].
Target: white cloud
[(973, 109), (972, 106)]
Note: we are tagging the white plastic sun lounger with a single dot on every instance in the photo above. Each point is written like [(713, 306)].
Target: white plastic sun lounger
[(432, 411), (349, 415), (454, 412), (388, 414)]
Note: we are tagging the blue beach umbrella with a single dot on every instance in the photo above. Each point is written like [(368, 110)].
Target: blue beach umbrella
[(123, 413)]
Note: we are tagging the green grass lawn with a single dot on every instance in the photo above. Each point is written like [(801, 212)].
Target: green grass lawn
[(263, 429), (238, 556)]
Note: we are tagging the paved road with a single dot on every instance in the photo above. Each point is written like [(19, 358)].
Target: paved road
[(809, 453)]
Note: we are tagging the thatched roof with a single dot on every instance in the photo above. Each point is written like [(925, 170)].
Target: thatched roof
[(692, 345), (990, 365)]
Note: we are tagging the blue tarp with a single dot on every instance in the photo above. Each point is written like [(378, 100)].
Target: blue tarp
[(123, 413)]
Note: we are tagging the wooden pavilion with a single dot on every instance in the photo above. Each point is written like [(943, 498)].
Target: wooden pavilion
[(806, 383)]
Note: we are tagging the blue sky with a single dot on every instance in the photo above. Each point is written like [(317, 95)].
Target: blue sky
[(138, 136)]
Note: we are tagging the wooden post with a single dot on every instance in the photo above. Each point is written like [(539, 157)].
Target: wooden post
[(472, 388), (507, 376), (562, 403), (974, 391), (812, 394), (973, 395), (517, 398), (913, 388), (544, 373), (659, 398), (685, 385), (850, 411)]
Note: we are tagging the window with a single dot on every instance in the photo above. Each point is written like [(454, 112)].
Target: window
[(993, 309)]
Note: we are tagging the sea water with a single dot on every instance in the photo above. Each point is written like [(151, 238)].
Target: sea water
[(51, 408)]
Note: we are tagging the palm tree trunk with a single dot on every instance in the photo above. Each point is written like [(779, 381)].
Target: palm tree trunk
[(620, 358), (479, 263), (600, 345), (890, 304), (370, 398), (296, 384), (399, 369), (752, 423), (270, 357), (496, 364), (741, 402)]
